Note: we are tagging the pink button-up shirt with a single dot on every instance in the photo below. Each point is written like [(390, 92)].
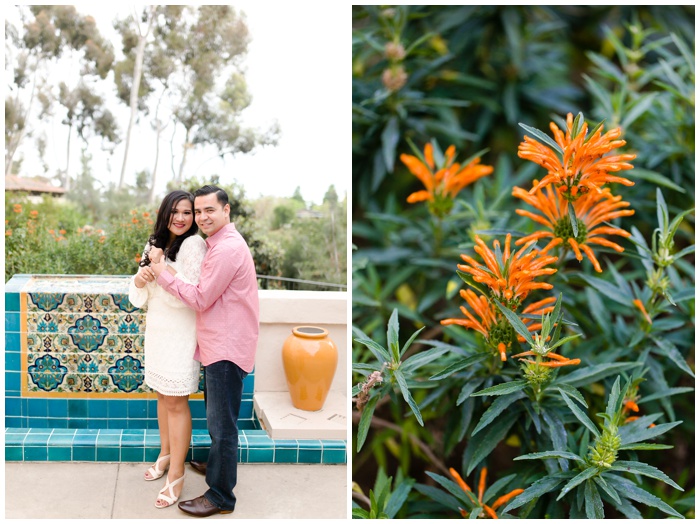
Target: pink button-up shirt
[(225, 299)]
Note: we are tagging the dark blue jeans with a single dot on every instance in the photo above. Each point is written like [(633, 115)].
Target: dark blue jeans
[(223, 388)]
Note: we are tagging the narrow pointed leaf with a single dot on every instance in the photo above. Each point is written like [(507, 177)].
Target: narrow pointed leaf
[(551, 454), (539, 135), (572, 392), (535, 491), (629, 490), (392, 336), (515, 321), (573, 219), (459, 366), (365, 421), (502, 389), (497, 407), (578, 479), (594, 504), (632, 466), (407, 395), (410, 341), (580, 415)]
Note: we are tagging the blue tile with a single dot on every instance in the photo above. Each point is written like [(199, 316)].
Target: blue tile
[(285, 444), (15, 422), (99, 423), (249, 383), (13, 407), (41, 423), (334, 456), (79, 423), (12, 360), (60, 454), (84, 453), (138, 424), (309, 456), (16, 439), (199, 424), (11, 301), (12, 381), (83, 439), (109, 439), (108, 454), (286, 456), (117, 409), (13, 453), (135, 454), (34, 439), (197, 409), (37, 407), (12, 323), (137, 409), (260, 455), (334, 444), (201, 454), (97, 408), (77, 408), (38, 453), (246, 409), (61, 439), (151, 454), (58, 407)]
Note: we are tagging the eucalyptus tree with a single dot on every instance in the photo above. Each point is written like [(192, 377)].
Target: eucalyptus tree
[(48, 33)]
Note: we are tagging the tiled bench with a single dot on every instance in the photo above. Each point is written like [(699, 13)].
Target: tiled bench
[(89, 410)]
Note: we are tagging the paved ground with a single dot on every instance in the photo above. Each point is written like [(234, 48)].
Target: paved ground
[(63, 490)]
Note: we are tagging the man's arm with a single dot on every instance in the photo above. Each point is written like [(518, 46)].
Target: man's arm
[(218, 269)]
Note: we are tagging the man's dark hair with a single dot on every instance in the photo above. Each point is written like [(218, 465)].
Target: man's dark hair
[(221, 195)]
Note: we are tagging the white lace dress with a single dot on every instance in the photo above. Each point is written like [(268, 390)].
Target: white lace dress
[(171, 335)]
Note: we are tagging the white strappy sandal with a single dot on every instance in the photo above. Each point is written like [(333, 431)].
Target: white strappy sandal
[(155, 470), (171, 498)]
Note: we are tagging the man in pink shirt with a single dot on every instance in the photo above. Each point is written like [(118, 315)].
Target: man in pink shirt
[(226, 302)]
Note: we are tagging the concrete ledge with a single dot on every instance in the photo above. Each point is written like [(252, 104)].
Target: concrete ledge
[(282, 420)]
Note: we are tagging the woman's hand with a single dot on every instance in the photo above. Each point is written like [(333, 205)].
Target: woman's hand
[(144, 276), (155, 254)]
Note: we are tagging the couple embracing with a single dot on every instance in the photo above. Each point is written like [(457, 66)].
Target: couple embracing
[(202, 301)]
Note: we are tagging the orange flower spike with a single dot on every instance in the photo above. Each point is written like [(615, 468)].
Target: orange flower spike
[(631, 405), (482, 483), (505, 498), (638, 304), (428, 154), (567, 362), (458, 478), (491, 513), (502, 351)]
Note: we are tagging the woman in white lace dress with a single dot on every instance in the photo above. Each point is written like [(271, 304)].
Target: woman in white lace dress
[(171, 337)]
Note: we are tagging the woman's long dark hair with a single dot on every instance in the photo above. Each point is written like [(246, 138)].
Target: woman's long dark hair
[(161, 233)]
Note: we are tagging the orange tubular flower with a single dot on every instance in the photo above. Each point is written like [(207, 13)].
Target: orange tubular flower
[(591, 210), (487, 510), (583, 166), (556, 362), (442, 184), (512, 278), (639, 305)]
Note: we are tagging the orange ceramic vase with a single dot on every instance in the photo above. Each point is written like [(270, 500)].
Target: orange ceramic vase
[(310, 358)]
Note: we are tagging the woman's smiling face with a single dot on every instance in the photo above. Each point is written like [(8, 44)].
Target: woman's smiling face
[(181, 218)]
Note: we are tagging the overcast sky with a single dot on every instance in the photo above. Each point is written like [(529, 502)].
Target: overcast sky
[(296, 72)]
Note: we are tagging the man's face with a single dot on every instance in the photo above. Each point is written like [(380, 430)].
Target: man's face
[(209, 214)]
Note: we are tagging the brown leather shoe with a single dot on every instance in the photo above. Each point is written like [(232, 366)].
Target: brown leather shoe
[(199, 467), (201, 507)]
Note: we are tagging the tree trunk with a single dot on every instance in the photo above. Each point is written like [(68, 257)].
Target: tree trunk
[(159, 129), (66, 176), (185, 147), (133, 100)]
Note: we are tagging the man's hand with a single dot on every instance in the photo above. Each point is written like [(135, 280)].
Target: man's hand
[(158, 267)]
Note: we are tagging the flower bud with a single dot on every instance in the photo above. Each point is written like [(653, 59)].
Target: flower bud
[(394, 51), (394, 78)]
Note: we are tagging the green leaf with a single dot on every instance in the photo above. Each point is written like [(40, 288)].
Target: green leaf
[(572, 218), (665, 394), (452, 488), (392, 336), (607, 489), (638, 430), (390, 139), (594, 131), (552, 454), (401, 380), (669, 350), (608, 290), (578, 479), (627, 489), (661, 213), (380, 353), (410, 341), (459, 366), (398, 498), (496, 408), (645, 446), (515, 321), (496, 487), (631, 466), (480, 448), (653, 177), (580, 415), (535, 491), (365, 421), (563, 341), (502, 389), (684, 252), (539, 135), (590, 374), (594, 505), (614, 400), (572, 392), (420, 359)]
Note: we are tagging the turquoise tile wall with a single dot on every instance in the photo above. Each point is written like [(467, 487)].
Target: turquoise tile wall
[(75, 425)]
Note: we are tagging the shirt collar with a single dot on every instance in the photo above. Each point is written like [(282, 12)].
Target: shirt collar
[(220, 234)]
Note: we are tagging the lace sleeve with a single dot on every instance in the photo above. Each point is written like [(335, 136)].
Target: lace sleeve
[(190, 259), (139, 296)]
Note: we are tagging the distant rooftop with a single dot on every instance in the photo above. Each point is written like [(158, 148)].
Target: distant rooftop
[(33, 185)]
